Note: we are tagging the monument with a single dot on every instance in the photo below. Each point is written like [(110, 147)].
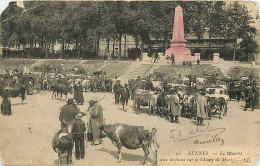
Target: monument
[(178, 47)]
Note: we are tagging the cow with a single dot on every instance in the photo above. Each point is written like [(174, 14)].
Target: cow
[(157, 85), (219, 104), (234, 91), (10, 89), (86, 84), (132, 137), (153, 104), (141, 98), (61, 88), (62, 143), (161, 104), (188, 106)]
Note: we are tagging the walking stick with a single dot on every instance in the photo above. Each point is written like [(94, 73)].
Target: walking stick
[(85, 139)]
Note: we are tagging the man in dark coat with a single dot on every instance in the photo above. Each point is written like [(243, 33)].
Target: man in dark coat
[(117, 88), (78, 93), (173, 59), (249, 98), (96, 120), (78, 136), (67, 114)]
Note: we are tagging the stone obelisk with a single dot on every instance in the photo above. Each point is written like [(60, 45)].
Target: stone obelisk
[(178, 47)]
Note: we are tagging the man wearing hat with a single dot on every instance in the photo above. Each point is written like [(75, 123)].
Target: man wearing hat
[(201, 107), (96, 120), (249, 98), (174, 108), (67, 114), (78, 136)]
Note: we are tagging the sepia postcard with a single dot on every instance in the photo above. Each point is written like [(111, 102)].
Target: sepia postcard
[(125, 83)]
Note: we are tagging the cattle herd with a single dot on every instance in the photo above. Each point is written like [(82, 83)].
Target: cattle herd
[(153, 91)]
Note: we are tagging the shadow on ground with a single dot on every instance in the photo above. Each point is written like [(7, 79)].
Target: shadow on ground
[(125, 156)]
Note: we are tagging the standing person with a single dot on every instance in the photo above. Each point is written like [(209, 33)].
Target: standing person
[(127, 93), (201, 107), (114, 83), (78, 132), (67, 114), (174, 108), (198, 61), (78, 93), (30, 86), (96, 120), (117, 88), (6, 106), (173, 59), (156, 57), (249, 98)]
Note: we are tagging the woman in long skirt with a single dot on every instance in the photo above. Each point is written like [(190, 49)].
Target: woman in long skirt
[(6, 106), (78, 93)]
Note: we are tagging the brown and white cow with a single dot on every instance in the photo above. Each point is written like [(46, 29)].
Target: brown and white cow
[(132, 137)]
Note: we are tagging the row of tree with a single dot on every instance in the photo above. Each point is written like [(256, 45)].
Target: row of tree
[(84, 24)]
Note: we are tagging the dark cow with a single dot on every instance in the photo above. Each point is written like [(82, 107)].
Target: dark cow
[(9, 88), (61, 88), (132, 137), (189, 106), (62, 143), (219, 104), (161, 104), (234, 91)]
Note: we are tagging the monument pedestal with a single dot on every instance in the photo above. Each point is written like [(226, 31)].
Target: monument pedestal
[(216, 58), (181, 53)]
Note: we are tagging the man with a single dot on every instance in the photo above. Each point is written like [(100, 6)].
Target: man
[(96, 120), (201, 107), (174, 108), (124, 96), (249, 98), (67, 114), (114, 82), (127, 93), (173, 59), (198, 61), (78, 136), (117, 88)]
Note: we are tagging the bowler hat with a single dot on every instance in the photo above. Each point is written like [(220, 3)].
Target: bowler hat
[(79, 115), (70, 101)]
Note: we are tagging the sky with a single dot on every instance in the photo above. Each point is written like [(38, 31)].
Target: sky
[(4, 4)]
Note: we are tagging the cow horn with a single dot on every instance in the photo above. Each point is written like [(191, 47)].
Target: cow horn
[(65, 121)]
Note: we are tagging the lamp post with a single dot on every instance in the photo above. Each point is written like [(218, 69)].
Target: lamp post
[(238, 41)]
